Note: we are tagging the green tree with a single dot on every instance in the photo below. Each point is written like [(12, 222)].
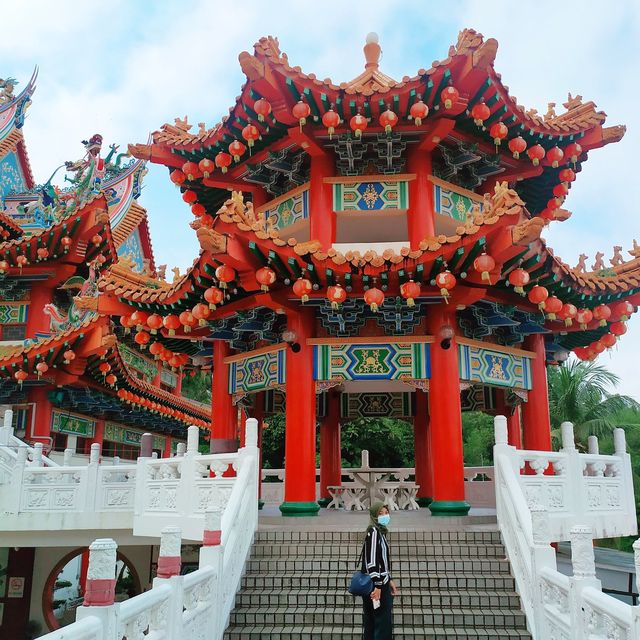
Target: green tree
[(198, 387), (477, 439)]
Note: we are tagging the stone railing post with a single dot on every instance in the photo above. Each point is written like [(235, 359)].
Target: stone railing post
[(66, 457), (37, 455), (212, 555), (543, 556), (146, 445), (592, 445), (193, 438), (91, 479), (14, 497), (6, 431), (169, 565), (584, 575), (620, 450), (169, 558), (181, 447)]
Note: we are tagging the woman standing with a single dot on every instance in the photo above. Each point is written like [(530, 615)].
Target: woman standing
[(378, 619)]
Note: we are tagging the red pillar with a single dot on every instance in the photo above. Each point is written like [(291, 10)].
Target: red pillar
[(98, 436), (300, 425), (513, 428), (42, 423), (178, 388), (223, 416), (167, 447), (322, 219), (535, 412), (37, 321), (420, 217), (446, 419), (330, 450), (421, 446)]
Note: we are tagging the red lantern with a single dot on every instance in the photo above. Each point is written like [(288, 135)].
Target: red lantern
[(237, 149), (301, 111), (567, 175), (213, 296), (560, 190), (410, 291), (536, 153), (358, 123), (388, 120), (498, 132), (96, 239), (584, 317), (250, 133), (155, 349), (608, 340), (198, 210), (449, 96), (191, 170), (618, 328), (538, 295), (302, 288), (374, 297), (206, 220), (142, 338), (187, 321), (555, 154), (517, 146), (42, 253), (201, 312), (519, 278), (553, 306), (102, 352), (41, 368), (174, 362), (602, 313), (207, 167), (331, 120), (66, 243), (480, 113), (337, 295), (177, 177), (126, 322), (139, 318), (223, 160), (104, 368), (572, 151), (20, 376), (483, 264), (21, 261), (554, 203), (597, 346), (154, 322), (68, 356), (263, 108), (445, 281), (4, 267), (623, 310), (265, 277), (581, 353), (111, 379), (568, 313), (189, 196), (171, 323), (225, 274), (419, 111)]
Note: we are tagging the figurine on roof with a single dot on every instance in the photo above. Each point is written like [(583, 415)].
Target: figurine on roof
[(6, 89)]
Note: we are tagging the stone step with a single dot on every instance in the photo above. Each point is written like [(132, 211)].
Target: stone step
[(429, 582), (326, 632), (409, 598), (415, 566), (399, 550), (402, 617), (338, 537)]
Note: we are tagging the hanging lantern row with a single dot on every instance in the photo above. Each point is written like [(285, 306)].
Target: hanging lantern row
[(173, 359), (607, 341), (157, 408)]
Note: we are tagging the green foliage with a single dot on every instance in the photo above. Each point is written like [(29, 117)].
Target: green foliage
[(273, 442), (477, 438), (389, 442), (198, 388)]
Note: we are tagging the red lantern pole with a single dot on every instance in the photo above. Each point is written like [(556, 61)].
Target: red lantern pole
[(330, 452), (535, 412), (421, 437)]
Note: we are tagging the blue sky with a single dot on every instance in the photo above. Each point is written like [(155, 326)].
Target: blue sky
[(124, 68)]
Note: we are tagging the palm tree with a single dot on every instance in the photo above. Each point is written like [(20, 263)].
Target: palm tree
[(579, 392)]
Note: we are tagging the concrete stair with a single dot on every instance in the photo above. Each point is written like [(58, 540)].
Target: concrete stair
[(453, 584)]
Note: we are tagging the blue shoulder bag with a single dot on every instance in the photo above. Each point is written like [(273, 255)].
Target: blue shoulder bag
[(361, 583)]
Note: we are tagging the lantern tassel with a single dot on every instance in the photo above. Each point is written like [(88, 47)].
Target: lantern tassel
[(445, 294), (202, 322), (551, 316), (335, 306), (568, 322), (418, 121), (305, 298), (542, 306), (411, 302), (603, 323), (264, 287), (374, 307), (519, 290), (486, 276)]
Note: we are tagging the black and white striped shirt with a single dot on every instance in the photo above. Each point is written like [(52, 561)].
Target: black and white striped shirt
[(376, 561)]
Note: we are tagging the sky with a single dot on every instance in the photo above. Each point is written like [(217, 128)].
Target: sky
[(123, 68)]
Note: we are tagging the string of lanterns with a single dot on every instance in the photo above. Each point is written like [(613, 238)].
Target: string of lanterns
[(152, 406)]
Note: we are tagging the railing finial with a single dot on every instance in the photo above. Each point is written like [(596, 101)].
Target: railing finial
[(193, 438), (592, 445), (500, 430), (251, 433), (100, 590), (619, 441), (212, 526), (169, 557), (568, 440), (582, 555)]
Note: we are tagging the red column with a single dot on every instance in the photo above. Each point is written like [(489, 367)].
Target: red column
[(330, 450), (300, 425), (37, 321), (223, 416), (322, 219), (42, 408), (420, 217), (421, 447), (446, 419), (98, 436), (513, 418), (178, 388), (167, 447), (535, 412)]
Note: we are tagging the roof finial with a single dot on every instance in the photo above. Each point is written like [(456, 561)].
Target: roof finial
[(372, 51)]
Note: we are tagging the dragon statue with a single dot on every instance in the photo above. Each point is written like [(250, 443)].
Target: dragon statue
[(76, 314)]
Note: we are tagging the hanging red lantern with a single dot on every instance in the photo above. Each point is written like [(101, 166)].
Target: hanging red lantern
[(618, 328), (602, 313), (154, 322), (189, 196), (4, 267), (102, 352), (177, 177), (419, 111), (567, 175), (250, 133), (608, 340), (237, 149), (584, 317), (498, 132), (111, 380), (155, 349), (201, 313), (573, 151), (484, 264), (538, 295), (96, 239), (555, 154), (139, 319), (69, 355), (20, 376), (449, 96), (206, 220), (445, 281), (568, 313), (597, 346), (517, 146), (126, 322), (198, 210), (623, 310), (225, 274), (374, 297), (213, 296), (174, 362), (331, 120), (302, 287), (388, 120), (66, 241), (480, 113), (171, 323), (104, 368), (142, 339), (552, 306), (337, 295), (207, 167), (265, 277), (223, 160), (560, 190), (191, 170), (536, 153), (263, 108), (358, 124), (43, 253), (519, 278), (42, 368), (301, 111), (21, 261), (187, 321), (581, 353), (410, 290), (554, 203)]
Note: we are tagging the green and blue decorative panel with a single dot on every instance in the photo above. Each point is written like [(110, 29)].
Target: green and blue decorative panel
[(11, 178), (452, 204), (371, 196), (392, 361), (258, 372), (13, 313), (477, 398), (479, 364), (275, 401), (147, 368), (288, 211), (73, 425), (375, 405), (118, 433), (169, 378)]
